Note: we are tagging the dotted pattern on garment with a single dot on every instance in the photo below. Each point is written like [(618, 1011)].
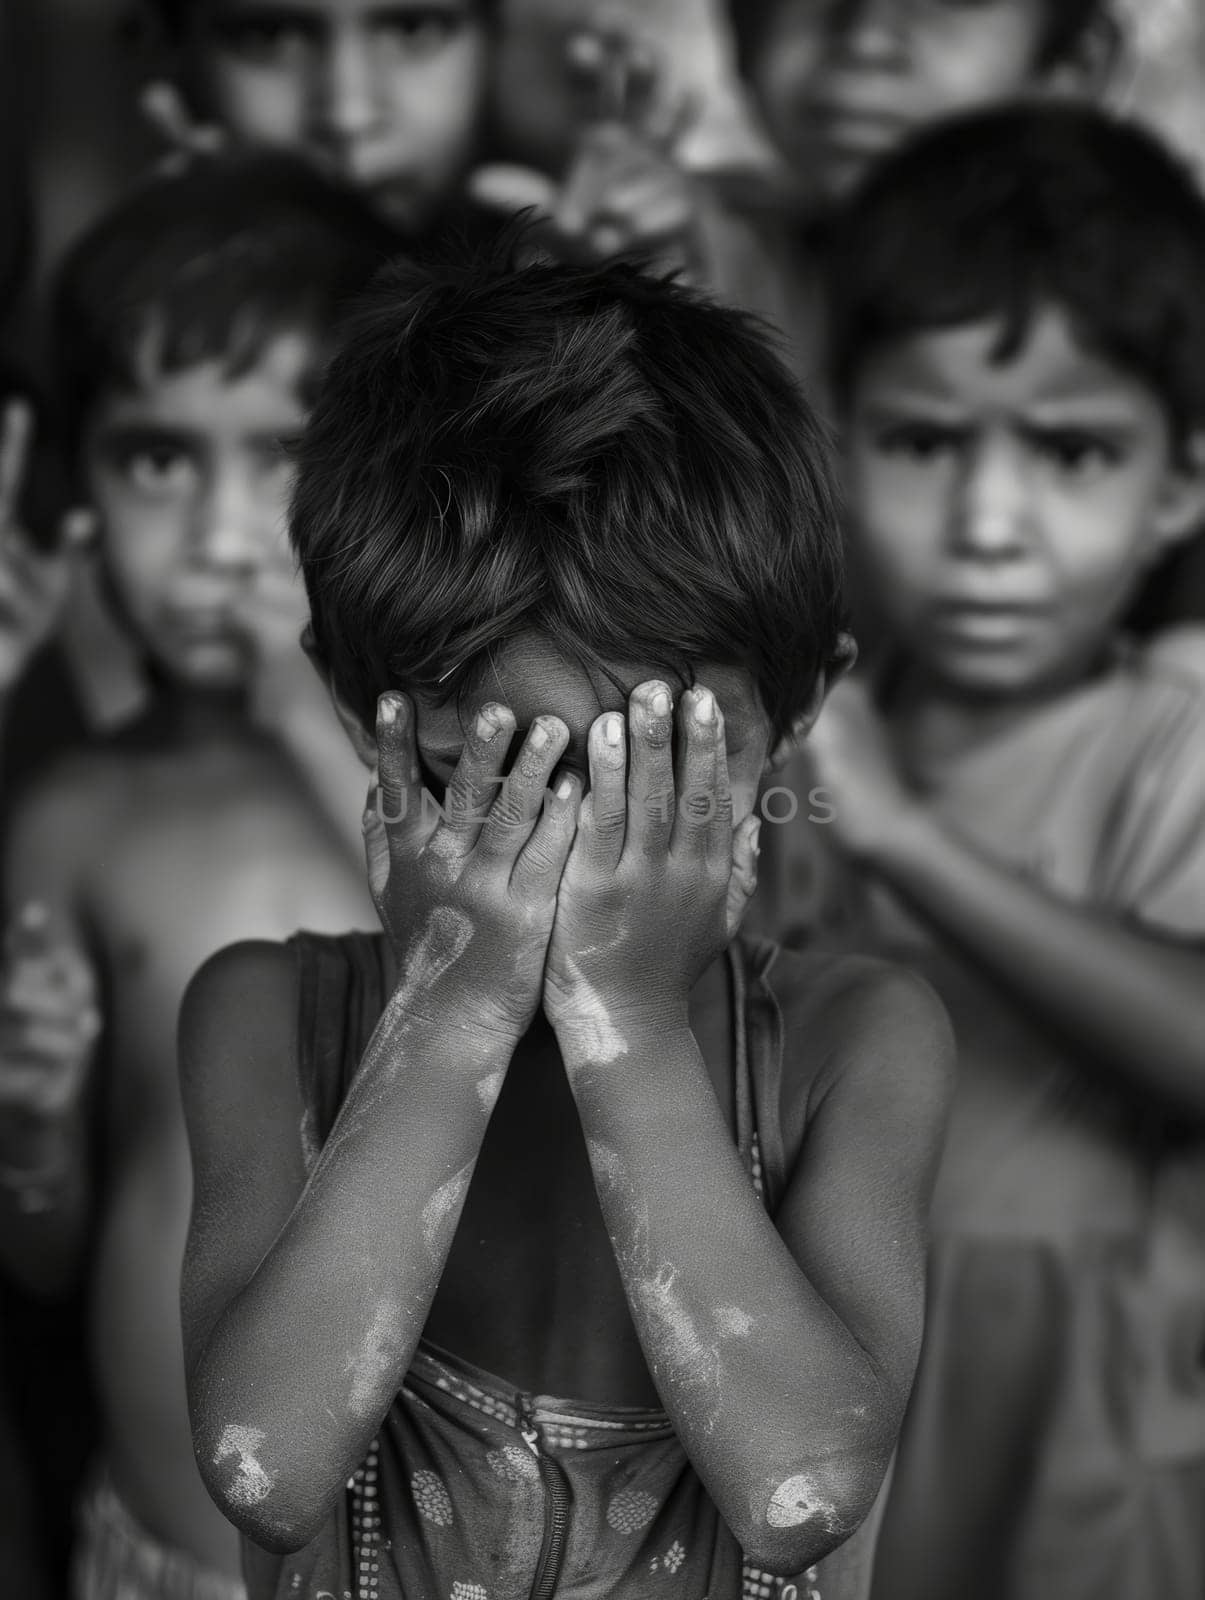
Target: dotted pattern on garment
[(366, 1525), (759, 1585)]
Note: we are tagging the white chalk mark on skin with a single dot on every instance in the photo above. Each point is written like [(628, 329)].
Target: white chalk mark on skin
[(606, 1163), (444, 939), (684, 1357), (377, 1360), (443, 1208), (796, 1502), (488, 1090), (734, 1323), (593, 1034), (252, 1481)]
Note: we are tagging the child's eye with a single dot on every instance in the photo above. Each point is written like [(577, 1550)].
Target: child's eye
[(1075, 452), (263, 39), (419, 30), (918, 441), (158, 469)]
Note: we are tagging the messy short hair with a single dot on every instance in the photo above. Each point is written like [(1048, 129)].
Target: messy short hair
[(173, 16), (588, 452), (213, 262), (1066, 24), (1001, 215)]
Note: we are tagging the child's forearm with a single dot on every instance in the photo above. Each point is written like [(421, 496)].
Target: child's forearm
[(291, 1382), (779, 1407), (1134, 1004)]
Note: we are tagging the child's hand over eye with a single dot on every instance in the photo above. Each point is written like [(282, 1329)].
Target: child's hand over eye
[(851, 758), (33, 585), (657, 880), (49, 1024), (467, 898)]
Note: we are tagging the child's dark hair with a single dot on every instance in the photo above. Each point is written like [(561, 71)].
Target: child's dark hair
[(212, 262), (173, 16), (999, 215), (1066, 25), (591, 453)]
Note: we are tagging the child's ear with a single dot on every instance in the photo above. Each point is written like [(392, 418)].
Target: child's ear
[(1180, 508), (839, 663), (363, 742)]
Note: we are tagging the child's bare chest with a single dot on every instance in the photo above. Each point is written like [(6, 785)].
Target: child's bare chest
[(532, 1292), (191, 869)]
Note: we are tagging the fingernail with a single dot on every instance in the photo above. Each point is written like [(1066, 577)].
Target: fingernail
[(387, 710), (486, 726), (564, 789), (705, 707), (539, 736), (755, 838), (660, 704), (613, 730)]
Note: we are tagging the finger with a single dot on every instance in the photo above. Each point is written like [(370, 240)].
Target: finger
[(28, 934), (743, 881), (514, 814), (644, 216), (164, 107), (503, 187), (604, 816), (43, 1088), (650, 769), (537, 871), (477, 781), (16, 435), (393, 800), (700, 731), (590, 178), (46, 1040), (78, 529)]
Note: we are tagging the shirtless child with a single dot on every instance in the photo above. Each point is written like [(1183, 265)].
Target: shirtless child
[(192, 323), (555, 1131)]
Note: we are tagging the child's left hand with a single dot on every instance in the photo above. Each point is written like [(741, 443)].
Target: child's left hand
[(657, 880), (852, 760), (273, 612)]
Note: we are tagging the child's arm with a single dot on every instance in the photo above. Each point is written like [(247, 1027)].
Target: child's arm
[(784, 1355), (304, 1299), (49, 1024), (1123, 997)]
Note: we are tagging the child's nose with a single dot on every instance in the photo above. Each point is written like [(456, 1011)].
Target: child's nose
[(867, 30), (348, 101), (991, 519), (228, 535)]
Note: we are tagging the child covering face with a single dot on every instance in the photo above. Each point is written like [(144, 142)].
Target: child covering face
[(1017, 794), (557, 1236)]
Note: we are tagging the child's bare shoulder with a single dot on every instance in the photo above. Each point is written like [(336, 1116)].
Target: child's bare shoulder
[(871, 1029), (241, 1006)]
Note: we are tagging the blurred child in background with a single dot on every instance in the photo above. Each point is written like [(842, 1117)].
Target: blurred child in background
[(1018, 798), (191, 324), (389, 98), (841, 82)]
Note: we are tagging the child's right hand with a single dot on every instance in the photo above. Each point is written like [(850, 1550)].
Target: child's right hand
[(33, 585), (466, 893), (49, 1025), (164, 107)]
